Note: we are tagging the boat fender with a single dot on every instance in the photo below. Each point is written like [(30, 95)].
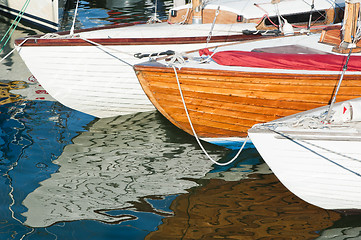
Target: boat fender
[(350, 111), (287, 29)]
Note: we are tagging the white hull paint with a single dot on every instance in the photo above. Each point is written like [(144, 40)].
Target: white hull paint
[(320, 163), (44, 13)]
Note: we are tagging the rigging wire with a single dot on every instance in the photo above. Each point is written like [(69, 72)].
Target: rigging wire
[(344, 68), (310, 19)]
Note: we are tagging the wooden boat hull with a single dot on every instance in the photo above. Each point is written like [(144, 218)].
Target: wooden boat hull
[(45, 14), (320, 164), (225, 104)]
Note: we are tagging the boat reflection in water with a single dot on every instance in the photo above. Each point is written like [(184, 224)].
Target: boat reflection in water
[(143, 177), (120, 165), (134, 168), (258, 207)]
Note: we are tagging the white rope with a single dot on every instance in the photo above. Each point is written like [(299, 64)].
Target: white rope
[(299, 142), (7, 55), (104, 47), (195, 134), (185, 16), (75, 14)]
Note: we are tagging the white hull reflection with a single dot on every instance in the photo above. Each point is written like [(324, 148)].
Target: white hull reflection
[(118, 164)]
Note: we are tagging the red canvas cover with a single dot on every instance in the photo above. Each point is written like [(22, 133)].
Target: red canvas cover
[(320, 62)]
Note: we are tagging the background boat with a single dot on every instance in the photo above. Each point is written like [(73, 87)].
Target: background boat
[(92, 72), (296, 12), (45, 14)]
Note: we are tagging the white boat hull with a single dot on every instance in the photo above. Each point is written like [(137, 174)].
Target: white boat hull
[(321, 165)]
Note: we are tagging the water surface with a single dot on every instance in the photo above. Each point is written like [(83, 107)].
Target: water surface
[(68, 175)]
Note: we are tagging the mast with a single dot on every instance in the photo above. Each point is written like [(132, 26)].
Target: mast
[(351, 19), (197, 11)]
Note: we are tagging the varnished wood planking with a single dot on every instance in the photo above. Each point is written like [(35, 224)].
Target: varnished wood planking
[(227, 17), (134, 41), (226, 106), (228, 86), (233, 107), (241, 89), (295, 80), (224, 17)]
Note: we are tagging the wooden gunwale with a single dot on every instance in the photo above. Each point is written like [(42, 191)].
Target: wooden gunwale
[(132, 41), (228, 103)]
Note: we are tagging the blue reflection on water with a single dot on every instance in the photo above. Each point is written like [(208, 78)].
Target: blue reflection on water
[(32, 135)]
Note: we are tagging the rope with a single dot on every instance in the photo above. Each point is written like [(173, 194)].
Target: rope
[(266, 15), (7, 55), (299, 142), (310, 19), (75, 14), (101, 47), (15, 22), (195, 134)]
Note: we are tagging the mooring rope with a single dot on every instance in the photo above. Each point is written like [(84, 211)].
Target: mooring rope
[(195, 134), (75, 14), (102, 47), (7, 55)]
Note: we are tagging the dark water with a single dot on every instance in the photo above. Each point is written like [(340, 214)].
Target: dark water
[(68, 175)]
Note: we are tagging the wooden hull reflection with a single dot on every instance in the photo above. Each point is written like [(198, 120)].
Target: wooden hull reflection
[(254, 208)]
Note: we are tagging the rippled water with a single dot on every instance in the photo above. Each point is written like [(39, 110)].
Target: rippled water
[(68, 175)]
